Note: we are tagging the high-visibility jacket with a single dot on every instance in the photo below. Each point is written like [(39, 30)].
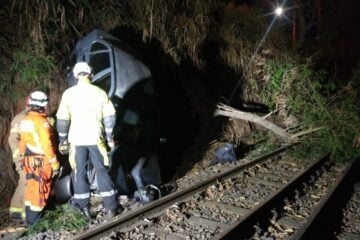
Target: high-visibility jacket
[(17, 200), (36, 144), (14, 136), (85, 106)]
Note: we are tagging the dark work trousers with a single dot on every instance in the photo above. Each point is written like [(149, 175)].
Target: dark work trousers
[(136, 173), (83, 154), (32, 216)]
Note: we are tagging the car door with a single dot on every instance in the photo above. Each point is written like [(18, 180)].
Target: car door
[(101, 59)]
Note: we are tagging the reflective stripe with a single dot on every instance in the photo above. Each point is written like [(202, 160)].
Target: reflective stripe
[(16, 128), (16, 153), (33, 208), (109, 130), (28, 126), (108, 194), (62, 134), (16, 210), (35, 149), (52, 160), (82, 196)]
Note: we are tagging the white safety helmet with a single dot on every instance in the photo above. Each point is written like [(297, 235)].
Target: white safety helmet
[(81, 67), (37, 101)]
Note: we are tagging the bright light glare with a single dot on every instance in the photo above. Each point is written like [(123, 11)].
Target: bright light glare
[(279, 11)]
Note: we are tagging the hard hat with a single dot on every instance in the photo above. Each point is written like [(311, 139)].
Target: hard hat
[(81, 67), (37, 98)]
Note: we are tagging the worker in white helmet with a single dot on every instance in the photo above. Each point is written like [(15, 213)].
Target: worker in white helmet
[(85, 120), (37, 150)]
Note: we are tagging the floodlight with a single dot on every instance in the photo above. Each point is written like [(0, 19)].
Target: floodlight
[(279, 11)]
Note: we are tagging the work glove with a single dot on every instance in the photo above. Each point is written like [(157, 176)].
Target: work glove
[(64, 147)]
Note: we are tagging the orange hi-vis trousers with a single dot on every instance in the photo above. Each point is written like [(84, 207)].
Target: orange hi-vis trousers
[(38, 184)]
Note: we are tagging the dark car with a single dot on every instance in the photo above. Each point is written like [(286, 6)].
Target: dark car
[(119, 71)]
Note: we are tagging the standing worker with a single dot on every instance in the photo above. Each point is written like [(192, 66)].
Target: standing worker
[(84, 116), (17, 208), (39, 160)]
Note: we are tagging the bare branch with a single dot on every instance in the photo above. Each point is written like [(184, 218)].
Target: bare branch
[(228, 111)]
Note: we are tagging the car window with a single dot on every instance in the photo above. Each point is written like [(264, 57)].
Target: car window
[(104, 82), (99, 57)]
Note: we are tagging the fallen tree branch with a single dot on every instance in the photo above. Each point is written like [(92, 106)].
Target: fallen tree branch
[(302, 133), (228, 111)]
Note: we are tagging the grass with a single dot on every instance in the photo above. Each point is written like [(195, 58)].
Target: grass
[(62, 218)]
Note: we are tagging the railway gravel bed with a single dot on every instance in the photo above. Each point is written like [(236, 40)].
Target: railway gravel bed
[(216, 208)]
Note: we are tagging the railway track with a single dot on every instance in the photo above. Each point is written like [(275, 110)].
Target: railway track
[(272, 197)]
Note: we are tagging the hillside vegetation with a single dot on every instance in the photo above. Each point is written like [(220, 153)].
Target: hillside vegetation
[(234, 55)]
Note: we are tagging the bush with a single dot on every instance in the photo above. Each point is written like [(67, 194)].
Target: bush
[(32, 69), (316, 103)]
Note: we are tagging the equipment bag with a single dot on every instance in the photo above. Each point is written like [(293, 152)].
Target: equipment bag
[(225, 154)]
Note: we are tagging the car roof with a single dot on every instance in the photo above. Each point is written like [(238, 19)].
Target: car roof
[(127, 68)]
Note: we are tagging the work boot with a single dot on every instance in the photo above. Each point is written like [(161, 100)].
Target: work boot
[(86, 213), (111, 213)]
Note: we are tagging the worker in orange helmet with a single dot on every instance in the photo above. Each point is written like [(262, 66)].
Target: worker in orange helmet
[(39, 160)]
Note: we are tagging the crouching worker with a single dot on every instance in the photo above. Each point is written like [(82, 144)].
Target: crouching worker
[(39, 160)]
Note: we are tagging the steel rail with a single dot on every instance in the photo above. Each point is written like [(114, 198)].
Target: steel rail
[(244, 228), (166, 201), (319, 226)]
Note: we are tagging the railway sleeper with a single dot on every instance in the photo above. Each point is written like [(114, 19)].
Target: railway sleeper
[(163, 234), (226, 207)]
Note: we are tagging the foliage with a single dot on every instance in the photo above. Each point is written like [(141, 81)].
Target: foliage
[(63, 218), (261, 150), (33, 69), (315, 103), (4, 83), (183, 28)]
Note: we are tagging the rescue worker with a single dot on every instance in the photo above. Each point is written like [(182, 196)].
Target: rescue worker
[(17, 208), (84, 116), (39, 160)]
